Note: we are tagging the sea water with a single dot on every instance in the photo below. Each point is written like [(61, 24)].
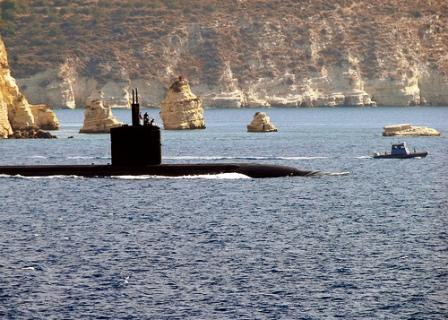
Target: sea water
[(368, 239)]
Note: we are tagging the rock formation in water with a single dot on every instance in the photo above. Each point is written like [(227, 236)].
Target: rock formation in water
[(16, 115), (98, 117), (44, 117), (31, 133), (241, 53), (182, 109), (409, 130), (261, 123)]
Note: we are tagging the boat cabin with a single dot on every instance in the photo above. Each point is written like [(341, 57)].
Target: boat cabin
[(399, 149)]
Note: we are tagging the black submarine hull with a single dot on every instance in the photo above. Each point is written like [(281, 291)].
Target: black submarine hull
[(252, 170)]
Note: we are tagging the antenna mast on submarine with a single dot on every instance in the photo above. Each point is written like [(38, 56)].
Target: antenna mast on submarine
[(135, 108)]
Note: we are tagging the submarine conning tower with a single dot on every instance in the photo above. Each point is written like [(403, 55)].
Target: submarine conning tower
[(136, 145)]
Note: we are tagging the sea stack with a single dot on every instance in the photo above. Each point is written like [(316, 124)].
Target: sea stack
[(408, 130), (16, 117), (98, 117), (261, 123), (44, 117), (182, 109)]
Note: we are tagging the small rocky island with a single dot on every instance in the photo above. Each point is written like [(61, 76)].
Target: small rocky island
[(182, 109), (98, 117), (261, 123), (44, 117), (408, 130)]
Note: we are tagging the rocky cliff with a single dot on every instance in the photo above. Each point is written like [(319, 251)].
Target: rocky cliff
[(15, 111), (14, 108), (236, 53)]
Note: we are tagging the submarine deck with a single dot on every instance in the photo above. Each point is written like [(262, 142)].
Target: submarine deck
[(253, 170)]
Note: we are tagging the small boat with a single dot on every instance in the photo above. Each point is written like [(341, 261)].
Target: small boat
[(400, 151)]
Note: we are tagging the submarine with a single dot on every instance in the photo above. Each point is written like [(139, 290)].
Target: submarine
[(137, 150)]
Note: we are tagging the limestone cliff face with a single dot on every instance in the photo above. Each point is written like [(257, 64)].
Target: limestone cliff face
[(5, 98), (64, 87), (98, 117), (15, 111), (5, 127), (238, 53), (181, 109)]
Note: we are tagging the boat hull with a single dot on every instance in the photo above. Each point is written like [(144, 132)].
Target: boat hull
[(171, 170), (401, 156)]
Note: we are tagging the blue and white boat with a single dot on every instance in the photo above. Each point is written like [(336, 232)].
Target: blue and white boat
[(400, 151)]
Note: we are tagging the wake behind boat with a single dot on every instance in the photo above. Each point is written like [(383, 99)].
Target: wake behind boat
[(400, 151)]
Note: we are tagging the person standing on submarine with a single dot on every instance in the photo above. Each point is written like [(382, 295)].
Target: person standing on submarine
[(146, 119)]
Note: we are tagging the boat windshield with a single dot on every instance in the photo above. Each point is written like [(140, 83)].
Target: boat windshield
[(399, 149)]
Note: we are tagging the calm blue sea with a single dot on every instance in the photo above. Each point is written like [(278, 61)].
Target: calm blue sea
[(370, 244)]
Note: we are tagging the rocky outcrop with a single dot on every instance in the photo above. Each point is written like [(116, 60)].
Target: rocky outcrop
[(31, 133), (44, 117), (98, 117), (182, 109), (261, 123), (409, 130), (16, 115)]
